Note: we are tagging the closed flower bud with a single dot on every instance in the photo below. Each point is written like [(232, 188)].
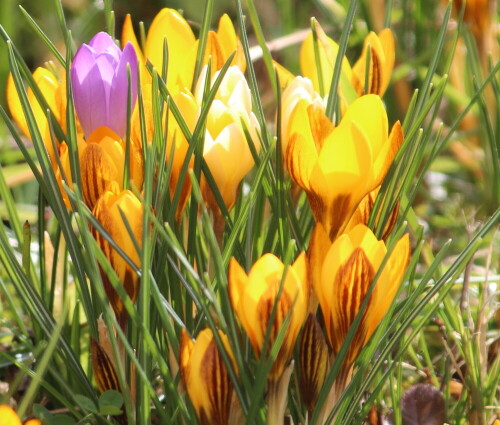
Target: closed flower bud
[(347, 271), (103, 368), (226, 149), (100, 83), (313, 361), (205, 377), (254, 296), (107, 212), (379, 50)]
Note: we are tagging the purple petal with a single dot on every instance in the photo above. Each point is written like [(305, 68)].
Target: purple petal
[(102, 42), (90, 100), (82, 63), (119, 90)]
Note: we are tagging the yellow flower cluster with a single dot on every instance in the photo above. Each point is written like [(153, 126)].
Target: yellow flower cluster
[(340, 166)]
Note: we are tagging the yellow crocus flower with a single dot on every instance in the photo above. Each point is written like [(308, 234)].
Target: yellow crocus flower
[(346, 272), (381, 62), (338, 166), (205, 377), (107, 212), (318, 65), (8, 416), (298, 89), (225, 148), (170, 26), (54, 92), (102, 162), (253, 297)]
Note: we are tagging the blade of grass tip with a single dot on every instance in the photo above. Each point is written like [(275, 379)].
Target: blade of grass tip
[(58, 7), (436, 57), (110, 17), (43, 37), (43, 364), (317, 57), (254, 88), (333, 97), (202, 41), (74, 158), (259, 34), (26, 248), (388, 11), (6, 196)]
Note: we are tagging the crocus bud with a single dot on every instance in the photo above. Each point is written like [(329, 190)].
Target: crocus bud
[(379, 50), (107, 211), (313, 361), (253, 297), (99, 79), (347, 271), (205, 377), (226, 149)]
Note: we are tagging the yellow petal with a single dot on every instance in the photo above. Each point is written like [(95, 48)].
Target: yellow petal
[(205, 377), (389, 282), (15, 106), (229, 42), (128, 36), (103, 369), (169, 25), (319, 245), (108, 210), (8, 416), (284, 75), (381, 48), (386, 155), (369, 114)]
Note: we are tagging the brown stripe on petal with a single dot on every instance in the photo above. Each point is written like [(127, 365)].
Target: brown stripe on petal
[(313, 361), (334, 215), (104, 371), (218, 386), (353, 280), (375, 80), (320, 125), (264, 311)]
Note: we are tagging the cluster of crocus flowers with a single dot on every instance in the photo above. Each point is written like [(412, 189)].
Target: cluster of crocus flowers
[(371, 73), (171, 31)]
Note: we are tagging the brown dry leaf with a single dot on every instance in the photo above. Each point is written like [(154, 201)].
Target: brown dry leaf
[(423, 404)]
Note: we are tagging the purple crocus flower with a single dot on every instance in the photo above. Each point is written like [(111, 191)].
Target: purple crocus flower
[(100, 84)]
